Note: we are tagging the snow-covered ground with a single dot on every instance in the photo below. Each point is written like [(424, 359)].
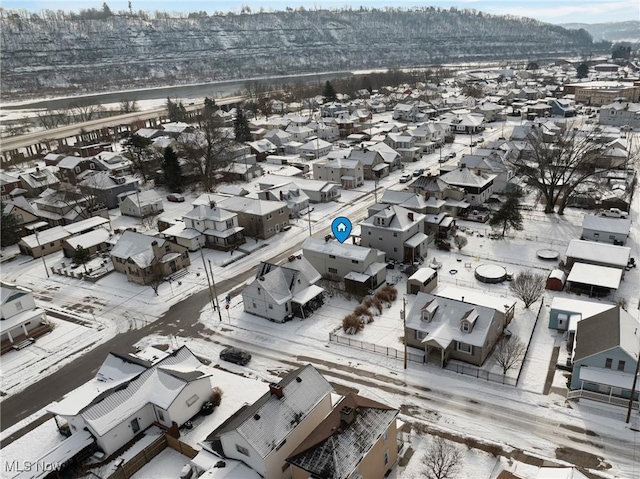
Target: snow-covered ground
[(167, 464)]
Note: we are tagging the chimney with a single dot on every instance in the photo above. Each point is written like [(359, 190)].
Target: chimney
[(462, 299), (212, 204), (276, 390), (463, 165), (347, 415), (281, 196), (410, 215)]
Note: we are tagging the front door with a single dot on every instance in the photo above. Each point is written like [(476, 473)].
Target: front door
[(135, 426)]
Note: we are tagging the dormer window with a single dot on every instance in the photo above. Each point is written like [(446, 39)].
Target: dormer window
[(466, 327)]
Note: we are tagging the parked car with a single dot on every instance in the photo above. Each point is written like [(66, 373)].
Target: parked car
[(418, 172), (480, 140), (443, 160), (236, 356), (405, 178), (614, 213), (452, 154), (175, 198)]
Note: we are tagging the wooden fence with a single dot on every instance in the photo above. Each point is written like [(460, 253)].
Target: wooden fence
[(138, 461), (181, 447)]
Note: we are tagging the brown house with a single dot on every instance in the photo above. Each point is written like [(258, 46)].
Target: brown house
[(259, 218), (146, 258), (357, 439), (71, 168)]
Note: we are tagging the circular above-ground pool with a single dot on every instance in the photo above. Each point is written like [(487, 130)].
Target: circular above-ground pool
[(548, 254), (490, 273)]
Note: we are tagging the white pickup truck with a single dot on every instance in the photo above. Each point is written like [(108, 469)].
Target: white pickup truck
[(614, 213)]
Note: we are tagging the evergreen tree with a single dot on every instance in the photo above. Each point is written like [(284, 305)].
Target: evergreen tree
[(9, 228), (138, 150), (209, 109), (81, 256), (508, 216), (329, 92), (583, 70), (241, 127), (172, 170), (176, 111)]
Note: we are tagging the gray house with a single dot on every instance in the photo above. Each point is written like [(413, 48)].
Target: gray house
[(107, 188), (605, 230), (605, 355), (141, 205), (397, 231)]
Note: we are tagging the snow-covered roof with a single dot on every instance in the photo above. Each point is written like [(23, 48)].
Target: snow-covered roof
[(616, 379), (444, 327), (148, 197), (50, 235), (86, 224), (251, 206), (136, 246), (335, 248), (559, 473), (205, 212), (593, 275), (302, 183), (92, 238), (499, 303), (423, 274), (335, 448), (607, 225), (585, 309), (600, 252), (267, 422), (396, 218), (467, 177), (307, 294), (158, 385)]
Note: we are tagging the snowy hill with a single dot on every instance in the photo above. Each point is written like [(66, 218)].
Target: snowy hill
[(58, 52), (613, 32)]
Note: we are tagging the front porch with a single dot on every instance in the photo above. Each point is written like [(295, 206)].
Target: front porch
[(22, 338)]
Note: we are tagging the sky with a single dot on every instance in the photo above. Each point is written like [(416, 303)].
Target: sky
[(551, 11)]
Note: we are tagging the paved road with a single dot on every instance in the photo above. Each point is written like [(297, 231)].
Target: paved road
[(181, 319)]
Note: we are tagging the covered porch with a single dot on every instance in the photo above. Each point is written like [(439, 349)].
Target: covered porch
[(437, 351), (304, 303)]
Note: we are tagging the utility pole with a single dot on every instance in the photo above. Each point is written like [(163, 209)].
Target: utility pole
[(375, 187), (215, 293), (309, 217), (633, 389), (208, 280), (404, 325), (41, 253)]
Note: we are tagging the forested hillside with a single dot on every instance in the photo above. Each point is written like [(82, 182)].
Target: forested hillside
[(58, 52)]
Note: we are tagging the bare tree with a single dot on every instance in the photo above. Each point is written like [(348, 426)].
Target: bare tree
[(128, 106), (509, 353), (460, 241), (207, 150), (528, 286), (558, 162), (85, 110), (442, 460)]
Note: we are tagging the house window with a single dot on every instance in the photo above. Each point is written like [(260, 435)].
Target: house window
[(332, 256), (395, 250), (386, 436), (253, 303), (270, 306), (465, 348), (465, 327), (369, 233), (621, 365), (419, 335), (354, 261), (332, 270), (281, 211), (612, 237), (160, 415), (269, 216), (596, 235), (77, 169), (608, 363), (242, 450), (135, 426), (18, 306), (395, 235), (386, 457)]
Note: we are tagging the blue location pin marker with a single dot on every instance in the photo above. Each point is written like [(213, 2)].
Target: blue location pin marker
[(341, 228)]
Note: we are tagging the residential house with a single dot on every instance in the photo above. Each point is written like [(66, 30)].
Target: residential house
[(599, 254), (357, 439), (622, 114), (605, 356), (107, 188), (22, 319), (140, 205), (72, 169), (440, 196), (67, 205), (439, 226), (278, 138), (391, 157), (264, 434), (348, 173), (208, 226), (477, 184), (563, 108), (490, 111), (361, 268), (405, 145), (422, 136), (8, 184), (605, 230), (263, 148), (242, 170), (145, 259), (452, 329), (490, 162), (93, 242), (280, 293), (405, 112), (397, 231), (296, 199), (23, 213), (37, 181), (315, 148), (299, 133), (410, 201), (374, 166), (128, 395), (317, 191), (614, 155), (52, 159), (259, 218), (466, 123), (115, 163)]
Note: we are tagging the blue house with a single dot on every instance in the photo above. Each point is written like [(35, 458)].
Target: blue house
[(605, 356), (562, 108), (565, 313)]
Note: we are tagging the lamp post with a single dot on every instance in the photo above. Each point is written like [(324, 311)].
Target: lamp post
[(46, 270)]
